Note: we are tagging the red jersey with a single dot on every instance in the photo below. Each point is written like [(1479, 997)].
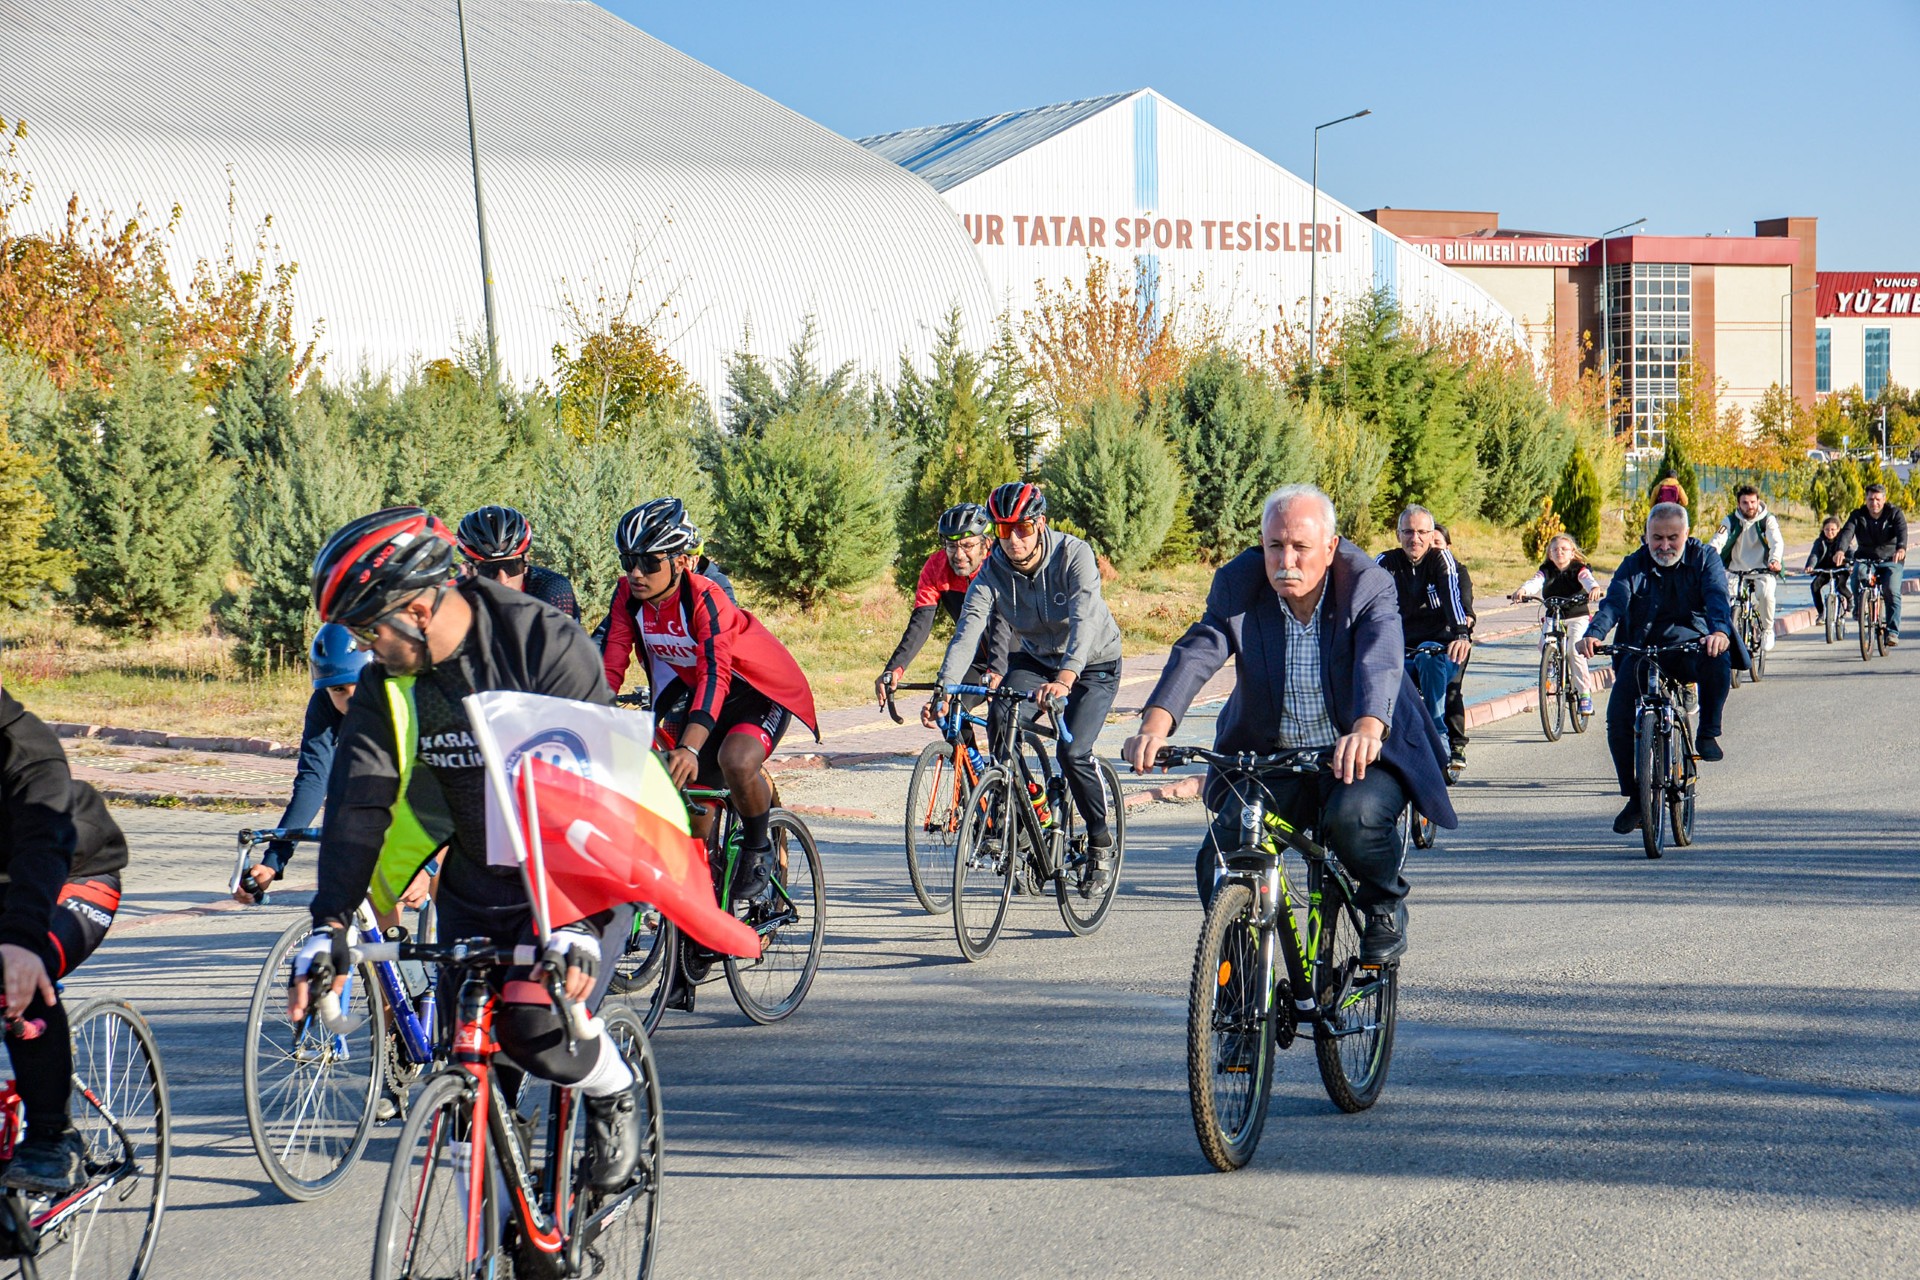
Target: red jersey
[(707, 641)]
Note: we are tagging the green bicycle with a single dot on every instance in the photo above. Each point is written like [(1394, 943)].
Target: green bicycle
[(1279, 952)]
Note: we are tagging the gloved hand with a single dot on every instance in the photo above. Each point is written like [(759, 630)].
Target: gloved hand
[(575, 953), (329, 943)]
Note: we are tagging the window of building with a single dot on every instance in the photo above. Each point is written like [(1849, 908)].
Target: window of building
[(1823, 360), (1879, 358), (1650, 328)]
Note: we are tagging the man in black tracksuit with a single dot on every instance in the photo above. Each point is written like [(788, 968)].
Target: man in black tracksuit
[(1436, 604), (60, 859)]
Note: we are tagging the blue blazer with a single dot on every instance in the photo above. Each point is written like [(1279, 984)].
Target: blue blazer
[(1362, 668)]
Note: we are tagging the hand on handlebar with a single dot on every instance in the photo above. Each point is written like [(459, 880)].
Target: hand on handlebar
[(328, 950), (883, 686), (1714, 643), (934, 712), (1053, 693), (1353, 752), (26, 978), (1459, 650), (682, 764), (576, 953), (1588, 646), (262, 875)]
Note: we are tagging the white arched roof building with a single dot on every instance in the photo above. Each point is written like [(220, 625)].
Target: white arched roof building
[(602, 152), (1137, 180)]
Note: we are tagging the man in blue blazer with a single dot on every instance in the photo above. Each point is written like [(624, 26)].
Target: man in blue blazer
[(1313, 627)]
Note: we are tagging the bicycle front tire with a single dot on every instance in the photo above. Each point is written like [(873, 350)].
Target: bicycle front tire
[(933, 826), (1650, 777), (1869, 621), (770, 988), (422, 1229), (1084, 915), (1230, 1036), (990, 854), (646, 968), (1553, 707)]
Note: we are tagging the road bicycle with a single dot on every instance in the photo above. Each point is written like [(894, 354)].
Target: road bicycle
[(1020, 823), (1666, 775), (1279, 954), (1432, 671), (108, 1226), (1833, 601), (1753, 630), (484, 1184), (790, 917), (1871, 606), (312, 1096), (1559, 692)]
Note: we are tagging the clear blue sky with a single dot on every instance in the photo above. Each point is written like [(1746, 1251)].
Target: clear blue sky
[(1700, 117)]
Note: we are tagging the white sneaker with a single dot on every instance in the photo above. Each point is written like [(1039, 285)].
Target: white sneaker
[(1767, 643)]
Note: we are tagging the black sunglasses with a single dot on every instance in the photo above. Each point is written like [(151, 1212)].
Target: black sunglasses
[(646, 561)]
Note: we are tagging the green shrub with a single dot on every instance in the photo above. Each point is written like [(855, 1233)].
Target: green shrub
[(1577, 501), (1238, 438), (1350, 462), (1835, 489), (1182, 543), (1113, 474), (32, 566), (1524, 443), (146, 501), (1539, 531), (448, 439), (806, 504)]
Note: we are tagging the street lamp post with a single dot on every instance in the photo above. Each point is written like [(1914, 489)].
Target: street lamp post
[(1606, 317), (479, 202), (1313, 259), (1786, 327)]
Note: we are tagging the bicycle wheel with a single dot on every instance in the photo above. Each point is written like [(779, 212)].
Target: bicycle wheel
[(1230, 1036), (791, 920), (1830, 615), (1552, 709), (646, 968), (120, 1106), (1650, 775), (1756, 648), (1579, 719), (1680, 788), (933, 826), (1084, 915), (617, 1233), (422, 1229), (1880, 631), (985, 863), (1360, 1005), (1869, 621), (310, 1094), (1424, 831)]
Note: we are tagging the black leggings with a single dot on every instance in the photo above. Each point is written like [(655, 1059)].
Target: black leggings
[(43, 1066)]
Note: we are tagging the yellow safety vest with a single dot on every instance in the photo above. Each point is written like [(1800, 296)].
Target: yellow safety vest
[(408, 845)]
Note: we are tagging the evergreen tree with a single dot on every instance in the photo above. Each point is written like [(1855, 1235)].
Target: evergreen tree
[(254, 412), (1674, 462), (1524, 442), (25, 513), (1577, 501), (1114, 477), (148, 500), (963, 465), (1238, 437)]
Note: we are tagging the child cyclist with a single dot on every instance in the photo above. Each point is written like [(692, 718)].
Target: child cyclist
[(1563, 575)]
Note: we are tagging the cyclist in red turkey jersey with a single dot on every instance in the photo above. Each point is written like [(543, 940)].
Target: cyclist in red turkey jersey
[(724, 690), (965, 543)]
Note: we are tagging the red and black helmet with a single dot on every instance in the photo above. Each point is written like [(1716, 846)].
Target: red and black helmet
[(494, 533), (1016, 500), (376, 562)]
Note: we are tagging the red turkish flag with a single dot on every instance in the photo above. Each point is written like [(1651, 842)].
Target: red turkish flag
[(598, 848)]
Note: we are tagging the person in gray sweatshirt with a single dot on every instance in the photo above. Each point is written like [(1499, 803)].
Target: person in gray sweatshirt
[(1046, 586)]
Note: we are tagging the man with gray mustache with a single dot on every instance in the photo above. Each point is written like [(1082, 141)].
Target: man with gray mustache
[(1671, 591)]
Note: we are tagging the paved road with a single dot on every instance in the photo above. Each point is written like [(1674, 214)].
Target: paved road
[(1706, 1066)]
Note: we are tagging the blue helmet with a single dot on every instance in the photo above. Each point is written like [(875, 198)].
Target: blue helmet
[(336, 661)]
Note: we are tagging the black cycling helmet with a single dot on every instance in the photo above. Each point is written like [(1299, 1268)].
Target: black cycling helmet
[(660, 527), (375, 563), (1016, 500), (494, 533), (968, 520)]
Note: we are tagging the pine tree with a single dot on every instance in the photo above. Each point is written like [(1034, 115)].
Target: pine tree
[(255, 410), (1113, 475), (1577, 501), (1238, 437), (962, 465), (1674, 462), (32, 566)]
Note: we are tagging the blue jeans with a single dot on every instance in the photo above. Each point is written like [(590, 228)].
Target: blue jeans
[(1890, 576)]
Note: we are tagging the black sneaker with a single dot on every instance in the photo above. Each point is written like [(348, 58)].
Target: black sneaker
[(1386, 935), (754, 875), (1098, 872), (680, 994), (1458, 760), (49, 1164), (1708, 749), (613, 1137), (1627, 820)]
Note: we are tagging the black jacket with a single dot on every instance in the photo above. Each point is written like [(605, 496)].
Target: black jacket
[(517, 642), (1866, 537), (1436, 600), (56, 829)]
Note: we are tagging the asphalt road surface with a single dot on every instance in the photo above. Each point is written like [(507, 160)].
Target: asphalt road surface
[(1704, 1066)]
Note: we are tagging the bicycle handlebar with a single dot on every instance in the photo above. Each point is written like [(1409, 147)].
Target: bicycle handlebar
[(1303, 760), (1648, 650), (581, 1025), (981, 691), (251, 838)]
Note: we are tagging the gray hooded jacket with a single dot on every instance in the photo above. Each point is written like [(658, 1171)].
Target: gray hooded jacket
[(1056, 612)]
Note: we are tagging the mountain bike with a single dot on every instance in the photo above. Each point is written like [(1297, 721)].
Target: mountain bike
[(790, 917), (1279, 953), (1666, 777), (109, 1224), (1559, 693), (312, 1096), (1833, 602), (1752, 629), (1021, 823), (1871, 607), (471, 1191), (1432, 671)]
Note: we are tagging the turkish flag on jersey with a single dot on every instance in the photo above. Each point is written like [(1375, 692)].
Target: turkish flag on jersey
[(597, 848)]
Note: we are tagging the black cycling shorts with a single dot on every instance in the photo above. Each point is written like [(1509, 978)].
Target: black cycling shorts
[(746, 710)]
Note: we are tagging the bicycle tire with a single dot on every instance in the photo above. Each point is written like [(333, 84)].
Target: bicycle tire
[(1066, 885), (987, 859), (1680, 789), (1830, 616), (648, 970), (1354, 1059), (604, 1223), (1756, 650), (115, 1060), (1869, 621), (1553, 707), (1580, 720), (1650, 780), (310, 1094), (1880, 634), (1229, 1095), (1425, 830), (770, 988), (933, 826), (421, 1230)]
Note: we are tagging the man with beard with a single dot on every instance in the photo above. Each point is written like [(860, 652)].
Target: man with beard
[(1671, 591)]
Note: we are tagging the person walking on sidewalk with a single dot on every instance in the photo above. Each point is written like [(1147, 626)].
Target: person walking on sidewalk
[(1046, 586), (1436, 605), (1747, 540)]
